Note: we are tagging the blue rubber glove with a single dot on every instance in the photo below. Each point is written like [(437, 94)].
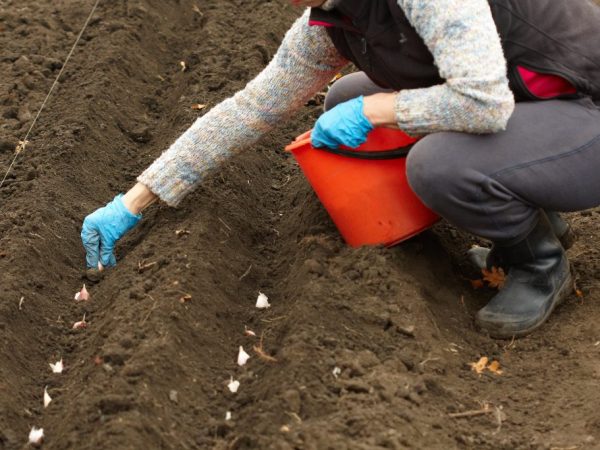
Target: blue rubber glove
[(103, 228), (345, 124)]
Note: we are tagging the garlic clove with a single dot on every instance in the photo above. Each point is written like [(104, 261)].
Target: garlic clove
[(57, 367), (36, 436), (233, 385), (249, 332), (81, 324), (47, 398), (262, 302), (83, 295), (228, 415), (336, 372), (243, 357)]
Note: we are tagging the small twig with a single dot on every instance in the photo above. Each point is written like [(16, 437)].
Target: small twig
[(510, 345), (500, 416), (245, 274), (425, 361), (474, 413), (151, 309), (294, 416), (223, 222), (274, 319), (143, 267), (260, 351)]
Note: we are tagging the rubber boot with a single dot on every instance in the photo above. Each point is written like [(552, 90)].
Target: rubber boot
[(486, 258), (538, 280)]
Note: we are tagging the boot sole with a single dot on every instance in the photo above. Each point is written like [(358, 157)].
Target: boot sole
[(563, 293)]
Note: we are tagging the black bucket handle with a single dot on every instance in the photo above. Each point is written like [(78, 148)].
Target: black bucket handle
[(401, 152)]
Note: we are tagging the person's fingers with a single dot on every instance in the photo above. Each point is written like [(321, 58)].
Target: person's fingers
[(91, 242), (107, 246)]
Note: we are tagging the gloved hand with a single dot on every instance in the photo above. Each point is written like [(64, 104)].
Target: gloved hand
[(103, 228), (346, 124)]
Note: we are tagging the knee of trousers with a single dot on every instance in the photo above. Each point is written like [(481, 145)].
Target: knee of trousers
[(337, 93), (440, 180)]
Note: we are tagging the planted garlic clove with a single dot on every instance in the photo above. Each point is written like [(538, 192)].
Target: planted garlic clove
[(336, 372), (228, 415), (249, 332), (81, 324), (47, 398), (57, 367), (100, 266), (243, 357), (36, 436), (233, 385), (83, 295), (262, 302)]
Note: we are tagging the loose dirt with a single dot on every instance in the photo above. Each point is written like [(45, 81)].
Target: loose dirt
[(151, 370)]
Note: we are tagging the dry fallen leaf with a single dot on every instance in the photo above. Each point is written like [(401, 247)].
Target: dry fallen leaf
[(21, 146), (476, 284), (263, 355), (480, 365), (495, 277), (494, 367)]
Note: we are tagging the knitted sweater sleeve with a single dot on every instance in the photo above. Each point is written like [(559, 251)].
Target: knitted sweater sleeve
[(475, 98), (304, 63)]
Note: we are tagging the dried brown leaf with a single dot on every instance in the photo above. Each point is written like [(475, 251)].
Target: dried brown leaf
[(495, 278), (477, 284), (480, 365), (494, 367)]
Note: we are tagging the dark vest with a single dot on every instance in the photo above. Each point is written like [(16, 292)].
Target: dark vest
[(559, 37)]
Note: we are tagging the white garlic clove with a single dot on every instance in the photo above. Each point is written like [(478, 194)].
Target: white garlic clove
[(243, 357), (228, 415), (249, 332), (81, 324), (47, 398), (262, 302), (57, 367), (83, 295), (36, 436), (233, 385), (336, 371)]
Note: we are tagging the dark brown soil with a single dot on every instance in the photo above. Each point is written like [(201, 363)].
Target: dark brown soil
[(397, 322)]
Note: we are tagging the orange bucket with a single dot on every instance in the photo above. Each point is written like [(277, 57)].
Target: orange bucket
[(365, 190)]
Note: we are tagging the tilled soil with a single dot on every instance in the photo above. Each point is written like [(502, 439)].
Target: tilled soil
[(152, 368)]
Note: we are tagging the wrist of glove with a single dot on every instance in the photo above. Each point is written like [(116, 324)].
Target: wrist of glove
[(345, 124), (103, 228)]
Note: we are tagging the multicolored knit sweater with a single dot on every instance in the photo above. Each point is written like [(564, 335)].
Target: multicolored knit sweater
[(460, 34)]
